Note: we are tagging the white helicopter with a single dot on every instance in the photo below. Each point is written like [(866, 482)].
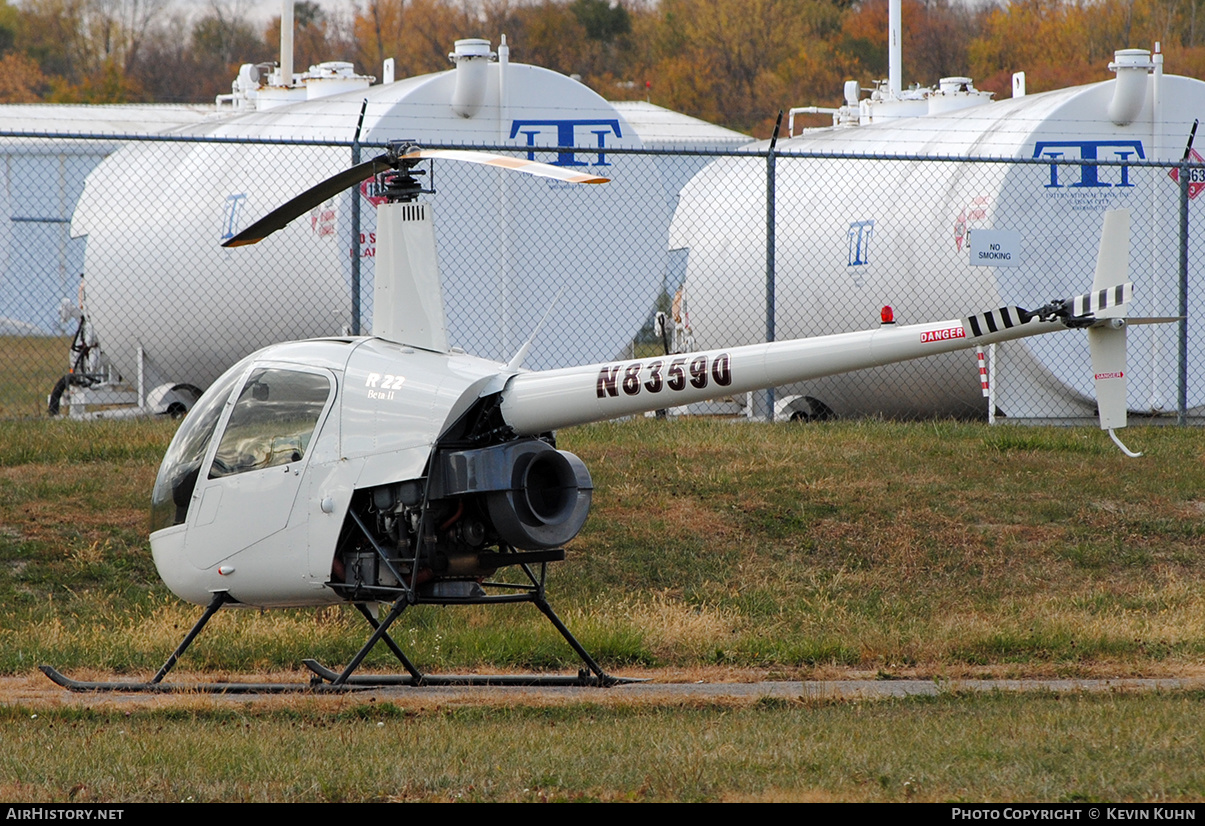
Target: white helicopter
[(396, 470)]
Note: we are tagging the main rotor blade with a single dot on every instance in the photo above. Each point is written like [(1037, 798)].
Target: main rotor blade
[(543, 170), (303, 203), (312, 197)]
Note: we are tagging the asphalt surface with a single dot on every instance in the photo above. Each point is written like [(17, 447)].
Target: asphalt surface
[(790, 690), (36, 690)]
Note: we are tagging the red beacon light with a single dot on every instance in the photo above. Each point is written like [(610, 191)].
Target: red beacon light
[(887, 315)]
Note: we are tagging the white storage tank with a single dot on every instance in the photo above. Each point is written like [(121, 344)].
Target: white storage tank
[(154, 218), (40, 182), (855, 235)]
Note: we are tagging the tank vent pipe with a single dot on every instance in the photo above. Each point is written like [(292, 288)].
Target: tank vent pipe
[(895, 72), (472, 57), (286, 43), (1131, 66)]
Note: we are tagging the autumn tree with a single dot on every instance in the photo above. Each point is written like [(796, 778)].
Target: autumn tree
[(316, 38), (730, 60), (734, 62), (934, 40), (85, 47), (377, 31), (21, 81), (417, 34), (1047, 39), (166, 68), (549, 34), (608, 29), (10, 21), (75, 38), (194, 61)]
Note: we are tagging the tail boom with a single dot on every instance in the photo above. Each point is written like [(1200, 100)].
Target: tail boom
[(537, 402)]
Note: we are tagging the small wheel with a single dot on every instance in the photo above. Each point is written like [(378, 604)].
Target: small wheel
[(188, 393)]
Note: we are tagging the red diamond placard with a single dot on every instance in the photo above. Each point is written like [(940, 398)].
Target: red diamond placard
[(371, 193), (1196, 180)]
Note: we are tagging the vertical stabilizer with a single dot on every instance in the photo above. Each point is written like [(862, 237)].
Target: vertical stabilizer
[(407, 302), (1107, 339)]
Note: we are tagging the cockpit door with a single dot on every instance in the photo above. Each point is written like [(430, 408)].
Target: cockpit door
[(247, 492)]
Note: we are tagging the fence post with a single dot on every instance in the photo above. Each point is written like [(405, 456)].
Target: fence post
[(1182, 401), (770, 262), (355, 229)]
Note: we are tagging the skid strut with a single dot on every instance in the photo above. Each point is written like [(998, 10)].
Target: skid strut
[(591, 675), (156, 685)]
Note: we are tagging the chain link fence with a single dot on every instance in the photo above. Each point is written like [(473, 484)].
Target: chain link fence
[(119, 292)]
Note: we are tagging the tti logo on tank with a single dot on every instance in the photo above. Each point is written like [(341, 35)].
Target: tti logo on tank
[(564, 135), (1089, 175)]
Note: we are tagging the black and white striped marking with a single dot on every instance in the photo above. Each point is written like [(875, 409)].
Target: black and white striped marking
[(1094, 302), (994, 321), (1080, 307)]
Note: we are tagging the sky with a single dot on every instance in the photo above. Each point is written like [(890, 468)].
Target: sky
[(258, 11)]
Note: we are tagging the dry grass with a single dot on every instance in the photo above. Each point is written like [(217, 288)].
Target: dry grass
[(928, 548), (28, 372), (990, 748), (672, 626)]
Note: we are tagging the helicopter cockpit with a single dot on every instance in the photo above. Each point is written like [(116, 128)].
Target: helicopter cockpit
[(271, 423)]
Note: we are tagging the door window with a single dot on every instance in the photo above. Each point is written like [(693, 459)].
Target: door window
[(272, 421)]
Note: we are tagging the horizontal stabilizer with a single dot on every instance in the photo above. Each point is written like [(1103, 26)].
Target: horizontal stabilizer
[(1155, 319)]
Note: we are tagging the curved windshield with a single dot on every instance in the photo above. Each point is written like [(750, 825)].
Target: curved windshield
[(182, 462), (272, 422)]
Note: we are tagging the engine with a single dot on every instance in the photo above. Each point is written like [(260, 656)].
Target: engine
[(478, 509)]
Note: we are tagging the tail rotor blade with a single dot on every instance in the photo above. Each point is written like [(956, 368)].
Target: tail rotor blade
[(1106, 302), (1113, 257)]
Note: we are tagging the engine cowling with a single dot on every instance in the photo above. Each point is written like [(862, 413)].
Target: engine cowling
[(537, 497)]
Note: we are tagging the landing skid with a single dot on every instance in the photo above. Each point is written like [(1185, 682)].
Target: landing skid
[(326, 680), (156, 685), (198, 688), (584, 679)]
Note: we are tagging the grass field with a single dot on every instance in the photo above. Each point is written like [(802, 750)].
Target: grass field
[(935, 549), (28, 372), (1077, 748)]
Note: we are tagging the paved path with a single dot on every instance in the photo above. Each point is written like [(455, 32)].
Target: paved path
[(37, 690), (787, 690)]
